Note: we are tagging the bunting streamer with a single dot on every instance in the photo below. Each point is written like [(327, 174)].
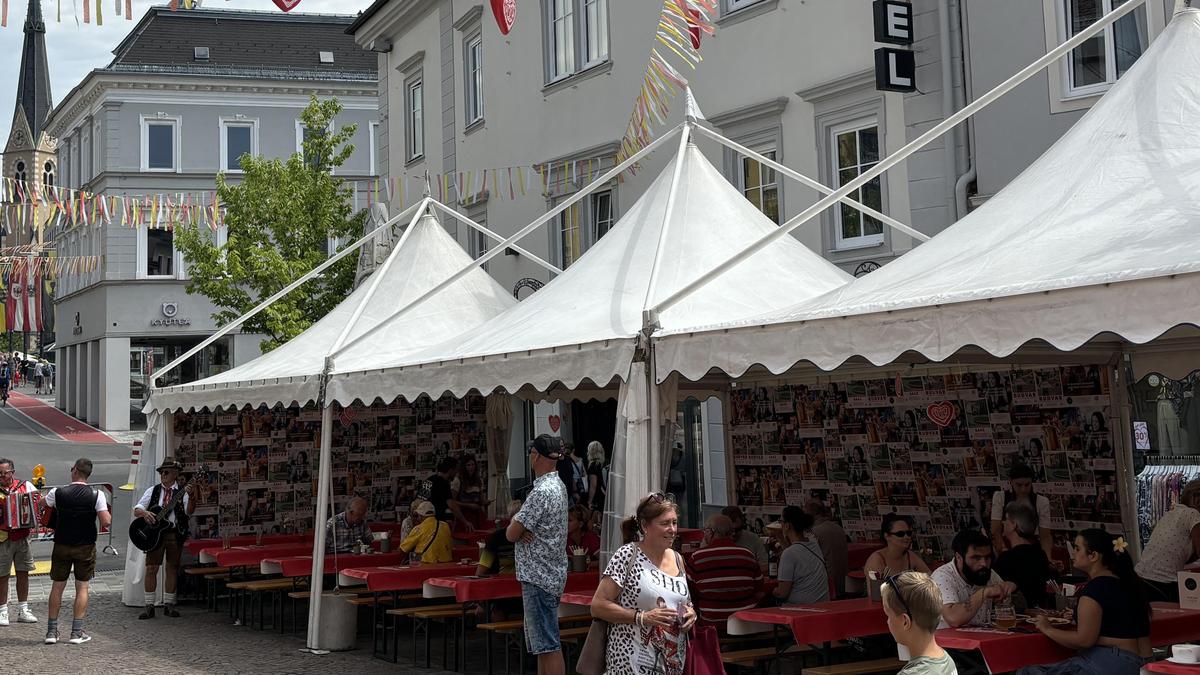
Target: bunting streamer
[(680, 27), (120, 8)]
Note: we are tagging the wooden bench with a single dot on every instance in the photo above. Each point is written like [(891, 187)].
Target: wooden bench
[(888, 665), (256, 588), (515, 628), (423, 619), (752, 658), (205, 571)]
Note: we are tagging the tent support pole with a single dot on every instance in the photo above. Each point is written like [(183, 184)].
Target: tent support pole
[(476, 226), (284, 291), (649, 318), (816, 185), (324, 478), (521, 234), (902, 154)]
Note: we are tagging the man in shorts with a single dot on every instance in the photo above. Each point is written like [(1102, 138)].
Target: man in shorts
[(76, 509), (14, 541), (171, 545), (539, 533)]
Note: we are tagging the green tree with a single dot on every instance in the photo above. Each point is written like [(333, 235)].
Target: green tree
[(279, 217)]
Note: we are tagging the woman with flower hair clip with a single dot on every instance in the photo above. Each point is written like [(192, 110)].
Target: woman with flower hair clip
[(1113, 615)]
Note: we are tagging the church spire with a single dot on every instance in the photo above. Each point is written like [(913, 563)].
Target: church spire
[(33, 87)]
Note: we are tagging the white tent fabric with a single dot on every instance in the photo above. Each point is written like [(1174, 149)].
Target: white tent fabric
[(291, 373), (1100, 234), (583, 325)]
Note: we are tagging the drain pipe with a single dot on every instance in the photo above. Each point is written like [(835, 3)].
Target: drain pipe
[(949, 141), (962, 46)]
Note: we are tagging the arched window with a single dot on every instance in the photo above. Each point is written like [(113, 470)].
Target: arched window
[(19, 174), (48, 174)]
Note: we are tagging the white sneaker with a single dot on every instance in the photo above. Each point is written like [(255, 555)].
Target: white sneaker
[(79, 638), (25, 616), (51, 637), (4, 616)]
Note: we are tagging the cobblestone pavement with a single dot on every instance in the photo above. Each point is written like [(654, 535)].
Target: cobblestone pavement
[(198, 642)]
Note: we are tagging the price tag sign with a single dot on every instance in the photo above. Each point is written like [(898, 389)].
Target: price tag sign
[(1141, 436)]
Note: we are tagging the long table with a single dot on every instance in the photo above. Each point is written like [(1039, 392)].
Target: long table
[(301, 565), (385, 578), (251, 555), (816, 623), (195, 546)]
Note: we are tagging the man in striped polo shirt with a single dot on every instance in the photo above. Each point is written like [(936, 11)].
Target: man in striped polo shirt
[(725, 577)]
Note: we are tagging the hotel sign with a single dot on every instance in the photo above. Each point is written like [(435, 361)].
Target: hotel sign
[(895, 68)]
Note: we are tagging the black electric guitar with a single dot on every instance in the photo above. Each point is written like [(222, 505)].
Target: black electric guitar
[(147, 536)]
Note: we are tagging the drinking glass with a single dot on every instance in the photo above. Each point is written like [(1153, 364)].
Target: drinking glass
[(1005, 615)]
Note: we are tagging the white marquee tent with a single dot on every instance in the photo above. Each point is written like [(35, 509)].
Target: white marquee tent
[(1099, 235)]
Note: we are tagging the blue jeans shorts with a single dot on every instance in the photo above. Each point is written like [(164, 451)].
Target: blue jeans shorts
[(541, 620)]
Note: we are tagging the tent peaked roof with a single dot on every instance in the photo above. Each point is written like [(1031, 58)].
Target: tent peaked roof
[(290, 373), (1086, 240), (584, 324)]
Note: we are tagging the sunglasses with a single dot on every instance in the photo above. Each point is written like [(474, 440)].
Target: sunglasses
[(891, 581), (660, 498), (901, 533)]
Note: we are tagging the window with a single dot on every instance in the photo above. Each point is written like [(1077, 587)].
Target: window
[(474, 79), (735, 5), (856, 149), (238, 137), (478, 243), (415, 129), (576, 36), (760, 184), (160, 143), (373, 130), (583, 224), (160, 253), (304, 135), (200, 53), (1097, 63), (97, 149), (48, 174), (19, 172)]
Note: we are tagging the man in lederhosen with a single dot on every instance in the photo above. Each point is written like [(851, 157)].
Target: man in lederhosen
[(171, 545)]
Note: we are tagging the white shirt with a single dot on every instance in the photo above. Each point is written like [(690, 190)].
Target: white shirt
[(144, 502), (1170, 545), (101, 502), (1043, 508), (956, 590)]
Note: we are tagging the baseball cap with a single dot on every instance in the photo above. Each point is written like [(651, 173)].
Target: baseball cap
[(424, 509), (547, 446)]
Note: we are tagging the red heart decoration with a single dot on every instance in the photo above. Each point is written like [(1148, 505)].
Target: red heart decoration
[(286, 5), (555, 423), (505, 12), (942, 413)]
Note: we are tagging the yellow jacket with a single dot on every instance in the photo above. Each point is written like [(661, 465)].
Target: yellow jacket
[(431, 540)]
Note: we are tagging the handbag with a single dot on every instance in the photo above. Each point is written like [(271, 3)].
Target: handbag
[(595, 646), (703, 652)]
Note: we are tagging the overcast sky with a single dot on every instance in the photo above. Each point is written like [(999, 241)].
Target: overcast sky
[(77, 48)]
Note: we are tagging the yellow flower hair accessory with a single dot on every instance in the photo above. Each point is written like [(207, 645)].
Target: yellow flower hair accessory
[(1119, 544)]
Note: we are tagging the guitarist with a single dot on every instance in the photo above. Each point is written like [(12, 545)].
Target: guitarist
[(171, 546)]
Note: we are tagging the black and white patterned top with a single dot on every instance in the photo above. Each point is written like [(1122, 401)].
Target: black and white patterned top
[(633, 650), (543, 562)]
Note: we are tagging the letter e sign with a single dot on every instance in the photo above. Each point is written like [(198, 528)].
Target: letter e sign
[(893, 22)]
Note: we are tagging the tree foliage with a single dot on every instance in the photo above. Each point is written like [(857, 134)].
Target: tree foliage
[(280, 216)]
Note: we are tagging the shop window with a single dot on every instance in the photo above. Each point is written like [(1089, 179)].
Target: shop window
[(1168, 411), (1095, 65), (856, 150), (760, 184)]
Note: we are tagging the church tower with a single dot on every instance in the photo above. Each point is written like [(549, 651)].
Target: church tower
[(29, 156)]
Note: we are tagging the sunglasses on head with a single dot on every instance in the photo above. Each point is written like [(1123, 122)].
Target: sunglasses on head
[(891, 581), (660, 498)]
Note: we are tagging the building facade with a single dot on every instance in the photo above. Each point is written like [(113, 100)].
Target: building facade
[(792, 80), (187, 94)]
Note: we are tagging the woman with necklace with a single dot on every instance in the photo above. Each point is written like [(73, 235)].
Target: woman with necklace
[(643, 595), (896, 556)]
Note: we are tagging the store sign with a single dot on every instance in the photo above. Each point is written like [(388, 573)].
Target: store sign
[(895, 69), (170, 316), (1141, 436), (893, 22)]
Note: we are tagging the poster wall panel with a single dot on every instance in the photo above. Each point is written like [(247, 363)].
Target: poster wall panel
[(936, 448)]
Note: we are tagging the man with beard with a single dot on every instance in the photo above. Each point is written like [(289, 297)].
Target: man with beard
[(968, 585)]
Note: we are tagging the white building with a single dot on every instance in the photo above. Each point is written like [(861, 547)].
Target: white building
[(187, 93)]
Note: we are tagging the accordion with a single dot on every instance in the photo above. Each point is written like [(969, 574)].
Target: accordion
[(19, 510)]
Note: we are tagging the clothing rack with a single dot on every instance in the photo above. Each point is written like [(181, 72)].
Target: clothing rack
[(1158, 488), (1177, 460)]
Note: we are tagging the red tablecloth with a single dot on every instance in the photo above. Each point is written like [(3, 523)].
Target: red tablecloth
[(1005, 651), (401, 577), (581, 599), (194, 546), (1168, 668), (475, 589), (301, 565), (689, 535), (816, 623), (470, 551), (252, 556), (858, 553)]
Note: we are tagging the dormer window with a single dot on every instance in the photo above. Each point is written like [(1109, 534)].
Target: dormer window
[(200, 53), (326, 57)]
